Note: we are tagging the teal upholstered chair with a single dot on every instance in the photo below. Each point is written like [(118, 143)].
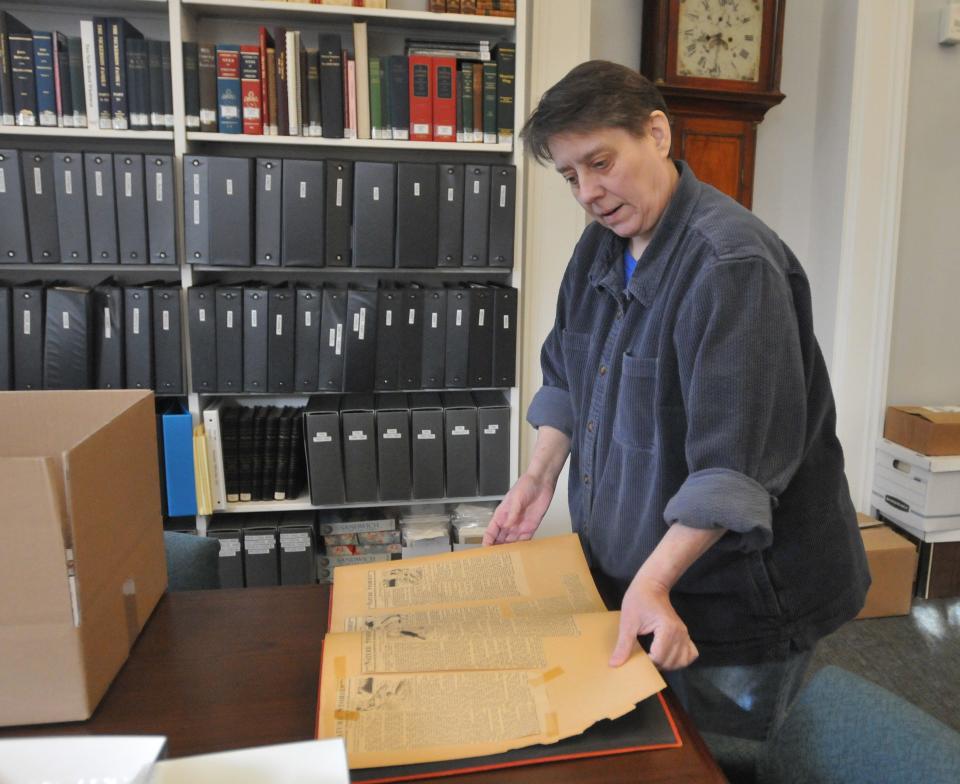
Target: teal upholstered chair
[(191, 561), (842, 728)]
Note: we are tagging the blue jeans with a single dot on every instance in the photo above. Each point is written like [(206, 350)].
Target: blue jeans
[(746, 701)]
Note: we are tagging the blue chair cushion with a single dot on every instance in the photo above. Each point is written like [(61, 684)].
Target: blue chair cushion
[(842, 728)]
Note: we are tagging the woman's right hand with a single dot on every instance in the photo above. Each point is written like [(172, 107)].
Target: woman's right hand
[(519, 514)]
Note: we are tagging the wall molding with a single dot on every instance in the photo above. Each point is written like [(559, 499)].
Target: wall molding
[(870, 235)]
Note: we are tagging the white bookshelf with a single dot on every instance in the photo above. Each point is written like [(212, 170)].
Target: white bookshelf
[(310, 13), (303, 504), (319, 141), (41, 132), (237, 21)]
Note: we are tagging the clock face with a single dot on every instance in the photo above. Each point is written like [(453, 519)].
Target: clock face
[(720, 39)]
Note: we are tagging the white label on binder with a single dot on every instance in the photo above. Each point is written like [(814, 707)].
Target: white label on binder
[(158, 186), (392, 433), (503, 196), (165, 317), (66, 320), (433, 321), (363, 323), (202, 315), (490, 430), (307, 318), (26, 322), (459, 317), (356, 322), (196, 184), (38, 181), (506, 322), (357, 435), (128, 184), (136, 321), (268, 182), (460, 430), (3, 182), (426, 435), (388, 319), (480, 318), (416, 189), (68, 182), (376, 193), (339, 191), (412, 316), (98, 182), (449, 194), (196, 212), (107, 328), (229, 186), (279, 325), (476, 187), (339, 349), (322, 438), (333, 337), (303, 189), (229, 319), (253, 318)]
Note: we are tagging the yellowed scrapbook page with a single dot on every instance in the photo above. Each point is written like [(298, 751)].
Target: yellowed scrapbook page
[(471, 653)]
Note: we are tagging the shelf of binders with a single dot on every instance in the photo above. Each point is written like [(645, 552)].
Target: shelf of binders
[(303, 503), (308, 12), (319, 141)]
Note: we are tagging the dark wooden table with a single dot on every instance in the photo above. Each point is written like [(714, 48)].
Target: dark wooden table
[(219, 670)]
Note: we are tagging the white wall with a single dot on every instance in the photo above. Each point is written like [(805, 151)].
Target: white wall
[(560, 38), (801, 159), (925, 359)]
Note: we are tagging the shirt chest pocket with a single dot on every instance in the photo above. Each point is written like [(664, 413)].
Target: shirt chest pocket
[(634, 421)]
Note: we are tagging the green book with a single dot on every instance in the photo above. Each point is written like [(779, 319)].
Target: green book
[(490, 103), (466, 99), (386, 132), (376, 105), (505, 58)]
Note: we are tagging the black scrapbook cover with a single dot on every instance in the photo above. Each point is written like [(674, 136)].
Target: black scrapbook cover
[(649, 726)]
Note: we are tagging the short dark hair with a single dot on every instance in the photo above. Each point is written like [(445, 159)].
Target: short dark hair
[(596, 94)]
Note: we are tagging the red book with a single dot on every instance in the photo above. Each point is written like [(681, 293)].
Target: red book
[(421, 101), (443, 82), (265, 42), (251, 95)]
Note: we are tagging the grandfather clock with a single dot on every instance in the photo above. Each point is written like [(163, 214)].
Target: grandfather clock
[(717, 63)]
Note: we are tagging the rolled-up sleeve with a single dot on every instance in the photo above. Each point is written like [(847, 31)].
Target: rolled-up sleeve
[(552, 405), (742, 377)]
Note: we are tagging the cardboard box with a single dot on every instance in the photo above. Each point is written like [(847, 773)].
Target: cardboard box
[(938, 575), (930, 430), (82, 561), (893, 566)]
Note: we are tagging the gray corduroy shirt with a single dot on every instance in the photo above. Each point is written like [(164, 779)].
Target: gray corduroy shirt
[(699, 395)]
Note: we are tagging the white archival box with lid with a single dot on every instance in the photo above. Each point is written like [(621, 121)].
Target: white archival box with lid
[(926, 489)]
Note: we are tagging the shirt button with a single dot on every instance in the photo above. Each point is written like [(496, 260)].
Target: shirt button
[(586, 479), (603, 370), (590, 426)]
